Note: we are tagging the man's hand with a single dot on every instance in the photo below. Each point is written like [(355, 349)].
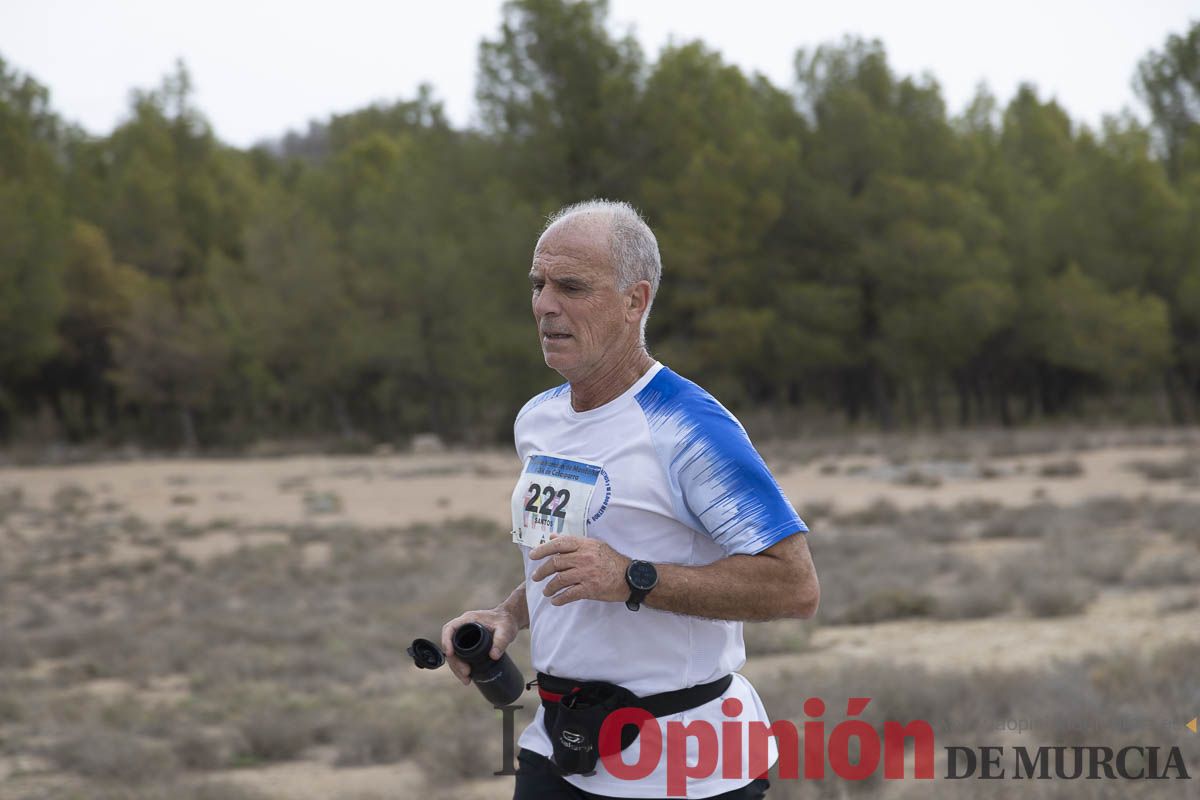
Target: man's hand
[(583, 569), (504, 629)]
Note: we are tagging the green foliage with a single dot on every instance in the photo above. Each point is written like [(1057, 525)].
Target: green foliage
[(559, 93), (842, 243), (33, 227), (1078, 326), (1169, 82)]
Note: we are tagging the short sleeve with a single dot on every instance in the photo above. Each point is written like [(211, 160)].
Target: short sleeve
[(721, 480)]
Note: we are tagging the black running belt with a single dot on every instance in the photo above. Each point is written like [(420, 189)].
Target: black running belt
[(551, 690)]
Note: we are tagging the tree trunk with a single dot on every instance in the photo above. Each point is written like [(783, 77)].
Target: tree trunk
[(341, 416), (187, 428), (931, 398), (879, 393)]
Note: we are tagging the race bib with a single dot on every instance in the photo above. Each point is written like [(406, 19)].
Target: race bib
[(552, 496)]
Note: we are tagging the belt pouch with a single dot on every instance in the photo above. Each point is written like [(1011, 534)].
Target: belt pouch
[(574, 722)]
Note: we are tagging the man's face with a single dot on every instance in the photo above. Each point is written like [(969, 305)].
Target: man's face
[(581, 316)]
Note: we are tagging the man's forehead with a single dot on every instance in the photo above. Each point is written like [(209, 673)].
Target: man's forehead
[(573, 246)]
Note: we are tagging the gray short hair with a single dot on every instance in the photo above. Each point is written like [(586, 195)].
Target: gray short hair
[(634, 249)]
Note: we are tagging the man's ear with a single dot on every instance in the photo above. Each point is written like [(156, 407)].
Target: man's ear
[(637, 299)]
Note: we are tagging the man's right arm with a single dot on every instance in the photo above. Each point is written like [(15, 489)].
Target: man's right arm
[(506, 621)]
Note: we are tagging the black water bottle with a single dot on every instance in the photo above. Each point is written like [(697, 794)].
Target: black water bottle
[(499, 681)]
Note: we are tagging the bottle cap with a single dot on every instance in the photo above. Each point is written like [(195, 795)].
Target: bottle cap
[(425, 654)]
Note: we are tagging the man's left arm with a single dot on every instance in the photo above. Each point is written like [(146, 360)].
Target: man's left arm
[(778, 582)]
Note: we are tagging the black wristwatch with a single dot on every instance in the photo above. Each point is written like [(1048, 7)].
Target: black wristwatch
[(641, 577)]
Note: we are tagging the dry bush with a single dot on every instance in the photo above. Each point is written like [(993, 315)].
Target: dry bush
[(281, 728), (109, 754), (1067, 468), (12, 500), (1042, 519), (1058, 579), (1179, 518), (70, 499), (880, 512), (817, 510), (1185, 468), (208, 748), (460, 738), (974, 596), (1166, 570), (1178, 600), (1108, 512), (873, 575), (778, 636), (976, 510), (1050, 590), (895, 602), (12, 706), (932, 524), (206, 790), (106, 648), (1097, 555), (1028, 522), (14, 651), (919, 478), (886, 564), (380, 734)]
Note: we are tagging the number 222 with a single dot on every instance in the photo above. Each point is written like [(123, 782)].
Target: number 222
[(548, 494)]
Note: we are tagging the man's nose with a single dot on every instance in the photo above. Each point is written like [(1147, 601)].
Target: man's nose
[(545, 302)]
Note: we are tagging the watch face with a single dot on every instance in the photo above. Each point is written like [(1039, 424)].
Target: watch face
[(643, 575)]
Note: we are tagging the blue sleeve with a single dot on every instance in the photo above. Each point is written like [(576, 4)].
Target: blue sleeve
[(721, 479)]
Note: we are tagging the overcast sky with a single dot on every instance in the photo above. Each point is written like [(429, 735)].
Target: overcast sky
[(262, 67)]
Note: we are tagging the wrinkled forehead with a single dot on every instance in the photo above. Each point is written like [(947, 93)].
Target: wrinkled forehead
[(580, 241)]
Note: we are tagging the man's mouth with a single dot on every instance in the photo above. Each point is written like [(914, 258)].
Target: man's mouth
[(548, 335)]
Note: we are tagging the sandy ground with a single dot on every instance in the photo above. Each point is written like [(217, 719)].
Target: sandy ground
[(406, 489), (399, 490), (1115, 622)]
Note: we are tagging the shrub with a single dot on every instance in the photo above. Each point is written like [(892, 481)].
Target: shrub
[(279, 733), (778, 636), (1030, 522), (1166, 570), (974, 599), (379, 735), (202, 748), (889, 604), (1068, 468), (1056, 596), (96, 752), (1186, 468)]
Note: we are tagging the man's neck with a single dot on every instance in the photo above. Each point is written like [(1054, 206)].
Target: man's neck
[(610, 382)]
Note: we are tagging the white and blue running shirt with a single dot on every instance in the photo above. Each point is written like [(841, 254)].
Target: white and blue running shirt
[(673, 479)]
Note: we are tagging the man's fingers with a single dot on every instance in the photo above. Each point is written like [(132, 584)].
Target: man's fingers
[(557, 544), (459, 667), (569, 595), (567, 544), (544, 549), (560, 582), (555, 563), (448, 632), (500, 642), (542, 571)]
